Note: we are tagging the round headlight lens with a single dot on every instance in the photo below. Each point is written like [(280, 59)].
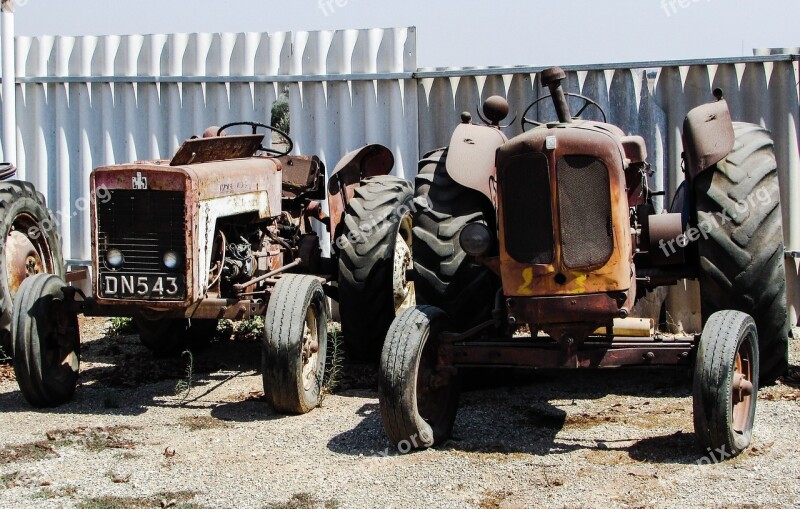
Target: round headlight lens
[(114, 258), (476, 239), (171, 260)]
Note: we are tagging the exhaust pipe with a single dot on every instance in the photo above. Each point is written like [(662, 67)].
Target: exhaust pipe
[(552, 78)]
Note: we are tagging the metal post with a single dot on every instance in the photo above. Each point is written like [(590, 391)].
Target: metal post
[(9, 82)]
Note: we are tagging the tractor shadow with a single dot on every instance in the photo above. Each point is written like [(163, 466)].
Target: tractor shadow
[(558, 413), (121, 377)]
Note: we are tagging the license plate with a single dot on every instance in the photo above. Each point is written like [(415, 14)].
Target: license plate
[(143, 287)]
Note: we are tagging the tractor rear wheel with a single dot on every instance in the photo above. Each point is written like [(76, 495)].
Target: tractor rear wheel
[(374, 257), (169, 337), (418, 400), (725, 384), (445, 276), (31, 245), (47, 346), (295, 344), (741, 249)]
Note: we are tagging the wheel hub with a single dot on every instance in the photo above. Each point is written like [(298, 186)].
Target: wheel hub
[(23, 259), (403, 289), (310, 350), (742, 388)]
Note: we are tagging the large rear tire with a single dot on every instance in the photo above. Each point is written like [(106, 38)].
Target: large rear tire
[(31, 245), (445, 276), (741, 256), (374, 256), (46, 342), (418, 400), (295, 344)]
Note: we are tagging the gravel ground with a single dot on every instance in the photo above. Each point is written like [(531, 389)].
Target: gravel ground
[(611, 439)]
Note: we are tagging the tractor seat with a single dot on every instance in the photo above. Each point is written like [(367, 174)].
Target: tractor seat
[(301, 174)]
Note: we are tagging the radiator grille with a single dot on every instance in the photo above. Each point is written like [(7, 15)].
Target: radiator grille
[(584, 201), (143, 225), (527, 210)]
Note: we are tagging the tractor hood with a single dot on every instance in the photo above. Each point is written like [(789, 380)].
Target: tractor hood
[(203, 182)]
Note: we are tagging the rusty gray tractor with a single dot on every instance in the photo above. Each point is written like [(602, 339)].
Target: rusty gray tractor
[(228, 229), (31, 244), (534, 250)]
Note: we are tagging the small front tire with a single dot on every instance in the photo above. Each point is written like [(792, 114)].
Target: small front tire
[(725, 387), (295, 344), (418, 400), (46, 342)]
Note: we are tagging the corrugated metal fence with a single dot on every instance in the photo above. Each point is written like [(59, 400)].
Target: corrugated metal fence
[(83, 102)]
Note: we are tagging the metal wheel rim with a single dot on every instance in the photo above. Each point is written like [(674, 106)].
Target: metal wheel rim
[(742, 387), (310, 348), (25, 256), (403, 290)]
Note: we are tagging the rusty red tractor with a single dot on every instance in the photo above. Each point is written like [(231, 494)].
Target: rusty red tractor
[(23, 208), (554, 232), (224, 230)]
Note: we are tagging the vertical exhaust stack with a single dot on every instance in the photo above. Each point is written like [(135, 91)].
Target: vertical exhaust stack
[(552, 78)]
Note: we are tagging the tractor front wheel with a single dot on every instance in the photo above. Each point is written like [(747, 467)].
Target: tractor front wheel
[(725, 386), (295, 344), (46, 342), (418, 400)]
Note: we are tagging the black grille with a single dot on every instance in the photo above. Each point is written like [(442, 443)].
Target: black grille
[(143, 225), (584, 202), (527, 210)]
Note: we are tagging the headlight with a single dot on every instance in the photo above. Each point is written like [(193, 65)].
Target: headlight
[(114, 258), (171, 260), (476, 239)]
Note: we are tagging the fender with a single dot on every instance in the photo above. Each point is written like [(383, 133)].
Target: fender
[(707, 136), (471, 156), (368, 161)]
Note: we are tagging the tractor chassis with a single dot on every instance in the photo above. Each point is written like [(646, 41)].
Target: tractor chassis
[(473, 349)]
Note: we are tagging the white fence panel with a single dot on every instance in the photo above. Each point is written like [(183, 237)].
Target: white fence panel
[(84, 102)]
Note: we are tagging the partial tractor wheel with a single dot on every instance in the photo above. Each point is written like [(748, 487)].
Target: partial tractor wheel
[(741, 253), (418, 401), (32, 245), (374, 257), (170, 337), (725, 387), (445, 276), (46, 341), (295, 344)]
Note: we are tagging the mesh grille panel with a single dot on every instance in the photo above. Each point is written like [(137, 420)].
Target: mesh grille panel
[(143, 225), (527, 209), (584, 201)]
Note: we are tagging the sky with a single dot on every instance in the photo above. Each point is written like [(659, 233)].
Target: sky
[(460, 33)]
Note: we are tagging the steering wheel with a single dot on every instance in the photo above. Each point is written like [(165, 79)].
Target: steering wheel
[(254, 126), (586, 103)]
